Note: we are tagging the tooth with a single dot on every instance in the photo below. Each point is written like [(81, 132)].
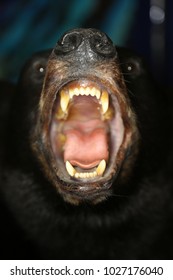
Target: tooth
[(76, 91), (76, 175), (70, 168), (82, 91), (92, 92), (101, 168), (99, 171), (91, 174), (71, 93), (97, 93), (85, 175), (104, 101), (87, 91), (64, 100)]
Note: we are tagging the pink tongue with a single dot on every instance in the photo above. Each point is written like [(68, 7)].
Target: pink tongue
[(86, 150), (86, 135)]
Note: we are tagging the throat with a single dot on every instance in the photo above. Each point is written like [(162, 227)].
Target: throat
[(86, 134)]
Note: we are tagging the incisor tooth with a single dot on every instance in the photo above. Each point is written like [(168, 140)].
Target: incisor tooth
[(93, 92), (84, 175), (76, 175), (105, 101), (64, 100), (82, 91), (97, 93), (71, 93), (87, 91), (70, 168), (76, 91), (101, 168)]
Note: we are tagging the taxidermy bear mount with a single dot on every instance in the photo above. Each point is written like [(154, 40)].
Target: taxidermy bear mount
[(85, 169)]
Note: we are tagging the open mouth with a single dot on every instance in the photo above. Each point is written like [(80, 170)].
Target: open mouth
[(86, 130)]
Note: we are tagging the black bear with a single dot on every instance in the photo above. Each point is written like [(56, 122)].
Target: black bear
[(86, 156)]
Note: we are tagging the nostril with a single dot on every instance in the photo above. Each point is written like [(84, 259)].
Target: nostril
[(103, 45), (69, 42)]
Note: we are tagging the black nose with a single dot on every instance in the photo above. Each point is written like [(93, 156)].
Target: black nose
[(86, 42)]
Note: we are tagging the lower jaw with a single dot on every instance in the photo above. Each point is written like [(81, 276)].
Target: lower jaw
[(86, 195), (77, 193)]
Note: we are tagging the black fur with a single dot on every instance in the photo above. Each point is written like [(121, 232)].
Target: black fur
[(135, 223)]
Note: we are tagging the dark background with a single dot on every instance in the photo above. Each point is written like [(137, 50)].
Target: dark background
[(142, 25)]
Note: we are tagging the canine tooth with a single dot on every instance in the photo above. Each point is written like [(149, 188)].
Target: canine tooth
[(64, 100), (101, 167), (70, 168), (105, 101)]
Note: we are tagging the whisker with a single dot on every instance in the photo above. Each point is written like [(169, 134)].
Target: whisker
[(120, 195)]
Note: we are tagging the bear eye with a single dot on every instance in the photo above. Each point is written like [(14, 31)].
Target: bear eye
[(130, 67), (39, 67)]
